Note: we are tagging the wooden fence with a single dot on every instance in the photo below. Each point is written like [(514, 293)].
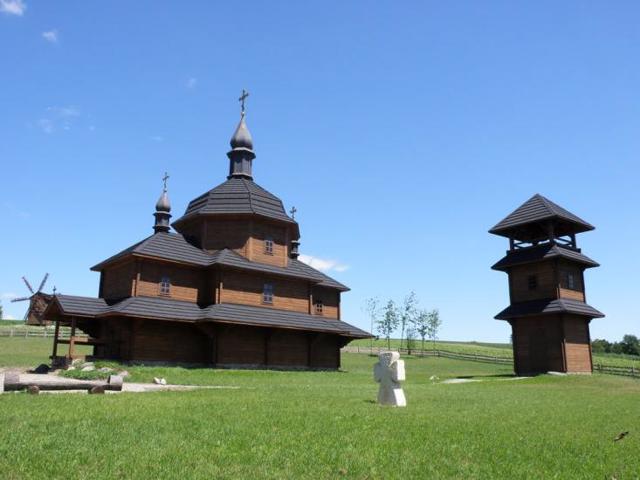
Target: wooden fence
[(597, 367), (39, 333)]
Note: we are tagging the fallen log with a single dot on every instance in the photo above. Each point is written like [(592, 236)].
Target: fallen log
[(12, 382)]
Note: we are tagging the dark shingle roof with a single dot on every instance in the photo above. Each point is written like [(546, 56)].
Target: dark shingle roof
[(542, 252), (237, 196), (548, 307), (174, 310), (174, 247), (166, 246), (536, 209)]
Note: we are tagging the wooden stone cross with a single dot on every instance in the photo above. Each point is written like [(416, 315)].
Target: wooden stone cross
[(389, 372)]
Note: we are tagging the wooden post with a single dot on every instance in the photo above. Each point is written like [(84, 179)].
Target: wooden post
[(55, 341), (72, 339)]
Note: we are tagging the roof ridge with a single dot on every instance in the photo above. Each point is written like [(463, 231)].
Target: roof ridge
[(244, 184)]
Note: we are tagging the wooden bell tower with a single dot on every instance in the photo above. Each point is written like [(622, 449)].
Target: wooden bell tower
[(548, 314)]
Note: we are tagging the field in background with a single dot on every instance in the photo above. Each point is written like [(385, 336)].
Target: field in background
[(500, 350)]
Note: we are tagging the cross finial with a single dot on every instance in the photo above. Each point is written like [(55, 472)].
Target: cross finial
[(55, 290), (244, 95), (293, 212), (164, 181)]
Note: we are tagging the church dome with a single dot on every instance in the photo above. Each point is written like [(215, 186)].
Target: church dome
[(241, 137), (163, 204)]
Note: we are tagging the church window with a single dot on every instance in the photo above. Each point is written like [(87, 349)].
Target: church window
[(268, 246), (267, 293), (319, 307), (532, 281), (569, 280), (165, 286)]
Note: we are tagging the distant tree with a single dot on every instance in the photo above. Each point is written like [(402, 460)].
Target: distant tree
[(600, 346), (388, 322), (407, 313), (1, 313), (630, 345), (411, 339), (372, 308), (421, 325), (434, 326)]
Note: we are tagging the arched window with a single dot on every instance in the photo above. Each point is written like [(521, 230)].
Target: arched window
[(165, 286)]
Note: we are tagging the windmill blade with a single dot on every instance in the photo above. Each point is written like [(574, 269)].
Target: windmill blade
[(26, 282), (21, 299), (44, 280), (26, 315)]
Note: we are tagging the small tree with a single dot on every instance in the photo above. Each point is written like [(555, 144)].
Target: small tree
[(372, 309), (434, 323), (421, 325), (411, 340), (407, 313), (1, 313), (388, 322)]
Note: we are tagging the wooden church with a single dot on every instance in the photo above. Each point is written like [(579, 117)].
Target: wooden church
[(548, 314), (226, 289)]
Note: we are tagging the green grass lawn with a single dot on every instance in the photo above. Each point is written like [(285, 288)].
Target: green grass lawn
[(327, 425)]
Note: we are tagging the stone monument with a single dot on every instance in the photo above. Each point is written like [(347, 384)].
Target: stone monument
[(389, 372)]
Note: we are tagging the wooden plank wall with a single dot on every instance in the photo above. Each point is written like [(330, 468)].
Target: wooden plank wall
[(330, 300), (117, 280), (538, 344), (231, 234), (185, 282), (246, 289), (256, 250), (519, 282), (577, 344)]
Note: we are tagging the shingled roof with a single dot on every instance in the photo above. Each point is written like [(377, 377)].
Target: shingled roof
[(538, 209), (237, 196), (545, 251), (548, 307), (175, 310), (174, 247)]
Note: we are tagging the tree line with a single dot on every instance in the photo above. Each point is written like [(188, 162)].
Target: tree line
[(413, 322), (630, 345)]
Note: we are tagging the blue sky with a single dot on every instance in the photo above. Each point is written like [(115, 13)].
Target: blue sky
[(400, 132)]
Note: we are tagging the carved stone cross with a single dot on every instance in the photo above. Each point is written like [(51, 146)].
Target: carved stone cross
[(389, 372)]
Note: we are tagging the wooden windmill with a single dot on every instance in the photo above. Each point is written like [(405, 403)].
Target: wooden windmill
[(38, 302)]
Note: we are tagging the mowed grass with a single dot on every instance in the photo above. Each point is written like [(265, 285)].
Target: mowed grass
[(29, 352), (327, 425)]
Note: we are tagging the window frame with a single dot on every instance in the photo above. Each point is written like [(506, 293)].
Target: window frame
[(164, 286), (267, 293), (268, 245), (319, 307), (570, 281), (532, 282)]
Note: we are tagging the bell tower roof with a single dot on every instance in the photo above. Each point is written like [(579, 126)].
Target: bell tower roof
[(530, 221)]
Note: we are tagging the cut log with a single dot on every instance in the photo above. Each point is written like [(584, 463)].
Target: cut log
[(12, 382)]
